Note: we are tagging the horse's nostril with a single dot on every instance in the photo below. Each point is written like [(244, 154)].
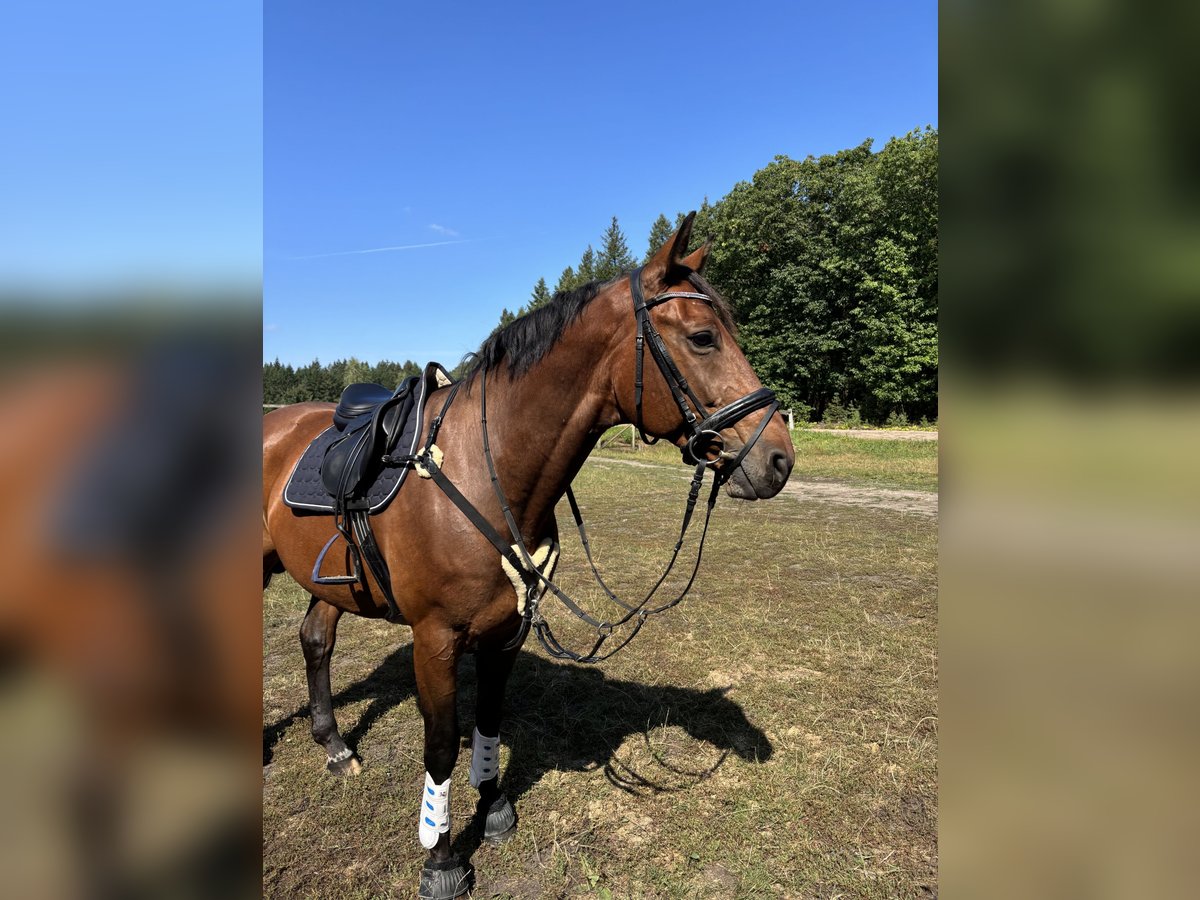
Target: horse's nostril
[(780, 465)]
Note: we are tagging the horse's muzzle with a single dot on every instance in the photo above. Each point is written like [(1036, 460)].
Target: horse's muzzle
[(761, 475)]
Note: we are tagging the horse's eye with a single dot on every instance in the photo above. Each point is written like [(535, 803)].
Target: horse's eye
[(702, 339)]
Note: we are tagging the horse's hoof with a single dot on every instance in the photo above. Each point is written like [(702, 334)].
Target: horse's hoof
[(501, 822), (348, 765), (445, 880)]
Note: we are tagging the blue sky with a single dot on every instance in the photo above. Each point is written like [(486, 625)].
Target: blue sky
[(217, 142), (132, 148), (519, 130)]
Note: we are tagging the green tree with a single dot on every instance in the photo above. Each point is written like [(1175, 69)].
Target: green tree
[(355, 371), (586, 271), (614, 256), (894, 357), (315, 382), (278, 382), (507, 317), (540, 297), (831, 263), (566, 281), (787, 247), (385, 372), (659, 232)]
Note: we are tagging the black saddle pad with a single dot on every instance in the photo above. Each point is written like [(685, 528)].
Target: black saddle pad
[(305, 489)]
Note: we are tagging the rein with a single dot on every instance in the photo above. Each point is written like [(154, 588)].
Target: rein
[(704, 449)]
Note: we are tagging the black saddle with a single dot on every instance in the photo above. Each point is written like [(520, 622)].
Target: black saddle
[(360, 399), (371, 419), (358, 461)]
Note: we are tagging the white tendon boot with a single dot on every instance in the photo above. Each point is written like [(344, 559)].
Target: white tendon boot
[(435, 812), (485, 758)]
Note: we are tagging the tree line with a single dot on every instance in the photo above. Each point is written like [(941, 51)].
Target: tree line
[(283, 383), (830, 264)]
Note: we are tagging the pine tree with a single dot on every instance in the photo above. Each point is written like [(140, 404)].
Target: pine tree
[(277, 379), (385, 372), (507, 317), (614, 257), (566, 281), (659, 232), (540, 296), (587, 267), (356, 371)]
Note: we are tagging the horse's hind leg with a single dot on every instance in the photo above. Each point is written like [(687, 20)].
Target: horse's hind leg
[(495, 814), (317, 635)]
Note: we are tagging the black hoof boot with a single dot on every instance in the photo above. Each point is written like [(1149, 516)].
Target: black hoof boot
[(500, 821), (445, 880), (345, 763)]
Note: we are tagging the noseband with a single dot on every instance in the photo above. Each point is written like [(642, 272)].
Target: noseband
[(704, 446)]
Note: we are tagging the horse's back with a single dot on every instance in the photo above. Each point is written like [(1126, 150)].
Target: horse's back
[(286, 433)]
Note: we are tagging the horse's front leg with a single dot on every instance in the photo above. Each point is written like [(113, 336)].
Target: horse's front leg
[(436, 650), (497, 817)]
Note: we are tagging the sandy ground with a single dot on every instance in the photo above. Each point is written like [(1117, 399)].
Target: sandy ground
[(923, 503), (880, 434)]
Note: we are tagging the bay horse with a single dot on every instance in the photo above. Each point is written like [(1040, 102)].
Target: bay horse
[(555, 380)]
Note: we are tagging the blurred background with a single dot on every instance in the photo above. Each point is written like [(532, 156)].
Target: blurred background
[(130, 296), (1070, 539)]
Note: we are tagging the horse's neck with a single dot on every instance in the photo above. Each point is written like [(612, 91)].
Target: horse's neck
[(542, 425)]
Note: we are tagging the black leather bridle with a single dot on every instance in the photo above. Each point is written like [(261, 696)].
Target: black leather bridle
[(704, 449), (705, 443)]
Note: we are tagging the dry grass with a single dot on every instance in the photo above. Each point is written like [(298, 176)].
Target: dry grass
[(775, 735)]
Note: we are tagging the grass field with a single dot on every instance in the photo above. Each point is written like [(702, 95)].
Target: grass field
[(774, 735), (825, 455)]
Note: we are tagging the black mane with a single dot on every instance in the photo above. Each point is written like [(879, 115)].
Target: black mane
[(527, 339)]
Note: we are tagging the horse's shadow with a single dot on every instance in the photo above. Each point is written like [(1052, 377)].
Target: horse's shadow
[(573, 718)]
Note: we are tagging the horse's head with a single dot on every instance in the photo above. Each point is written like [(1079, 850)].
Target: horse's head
[(702, 371)]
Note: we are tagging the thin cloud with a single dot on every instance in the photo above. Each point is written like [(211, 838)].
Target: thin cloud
[(378, 249), (442, 229)]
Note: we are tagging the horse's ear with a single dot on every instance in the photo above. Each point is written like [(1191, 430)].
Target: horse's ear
[(671, 254), (697, 258)]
